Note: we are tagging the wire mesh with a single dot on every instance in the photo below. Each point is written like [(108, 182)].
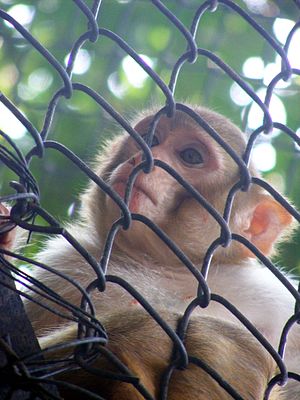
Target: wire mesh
[(31, 373)]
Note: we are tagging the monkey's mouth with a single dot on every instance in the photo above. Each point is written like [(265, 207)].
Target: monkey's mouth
[(138, 189)]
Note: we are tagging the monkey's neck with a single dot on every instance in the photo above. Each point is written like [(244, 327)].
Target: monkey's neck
[(169, 285)]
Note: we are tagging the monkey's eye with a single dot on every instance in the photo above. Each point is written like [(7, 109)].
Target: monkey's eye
[(191, 156), (155, 141)]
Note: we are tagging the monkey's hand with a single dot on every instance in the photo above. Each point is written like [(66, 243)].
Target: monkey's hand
[(7, 229)]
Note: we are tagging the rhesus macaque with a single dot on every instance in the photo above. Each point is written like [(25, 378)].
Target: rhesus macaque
[(143, 260), (145, 349)]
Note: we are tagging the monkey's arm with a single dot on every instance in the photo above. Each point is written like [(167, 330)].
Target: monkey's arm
[(137, 340)]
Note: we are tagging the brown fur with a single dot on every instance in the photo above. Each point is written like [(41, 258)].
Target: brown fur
[(143, 260), (145, 349)]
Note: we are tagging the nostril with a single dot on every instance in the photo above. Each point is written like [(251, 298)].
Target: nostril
[(132, 161)]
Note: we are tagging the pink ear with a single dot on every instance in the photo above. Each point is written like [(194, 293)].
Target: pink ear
[(268, 221)]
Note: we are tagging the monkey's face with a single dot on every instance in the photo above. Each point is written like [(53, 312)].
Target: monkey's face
[(196, 157), (157, 194)]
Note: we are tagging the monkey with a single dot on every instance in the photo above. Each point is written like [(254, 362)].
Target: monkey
[(141, 258), (222, 345)]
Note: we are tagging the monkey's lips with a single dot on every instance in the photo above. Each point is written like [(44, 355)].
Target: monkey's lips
[(137, 196)]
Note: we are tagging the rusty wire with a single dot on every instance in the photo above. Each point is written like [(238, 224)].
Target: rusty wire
[(31, 370)]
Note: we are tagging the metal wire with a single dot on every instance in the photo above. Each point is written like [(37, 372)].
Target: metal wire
[(30, 373)]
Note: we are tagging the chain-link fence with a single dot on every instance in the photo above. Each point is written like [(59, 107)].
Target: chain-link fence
[(26, 372)]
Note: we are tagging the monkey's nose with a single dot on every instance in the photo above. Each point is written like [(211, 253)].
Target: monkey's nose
[(136, 159), (132, 161)]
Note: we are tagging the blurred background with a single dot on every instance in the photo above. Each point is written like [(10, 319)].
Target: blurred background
[(30, 82)]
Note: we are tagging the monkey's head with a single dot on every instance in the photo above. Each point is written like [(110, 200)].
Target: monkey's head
[(190, 150)]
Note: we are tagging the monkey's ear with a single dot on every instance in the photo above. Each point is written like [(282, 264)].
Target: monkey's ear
[(268, 221)]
